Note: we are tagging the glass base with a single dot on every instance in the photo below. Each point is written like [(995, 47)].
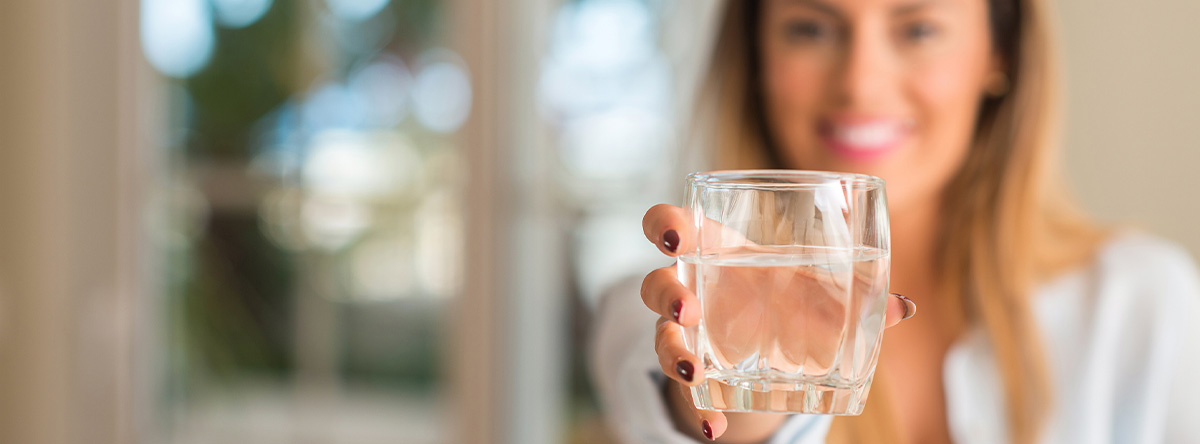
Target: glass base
[(772, 396)]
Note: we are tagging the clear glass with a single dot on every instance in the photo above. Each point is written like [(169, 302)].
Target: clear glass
[(791, 269)]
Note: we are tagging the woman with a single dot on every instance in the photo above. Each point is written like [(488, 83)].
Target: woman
[(1035, 325)]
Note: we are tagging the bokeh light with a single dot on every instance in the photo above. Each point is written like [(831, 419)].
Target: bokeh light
[(177, 35), (359, 165), (383, 85), (603, 55), (604, 35), (355, 10), (382, 268), (279, 218), (439, 229), (607, 87), (330, 223), (619, 144), (240, 13), (442, 94), (333, 106)]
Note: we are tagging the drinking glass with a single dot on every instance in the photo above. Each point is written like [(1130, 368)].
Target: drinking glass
[(791, 269)]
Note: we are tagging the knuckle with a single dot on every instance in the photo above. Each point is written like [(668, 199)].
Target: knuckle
[(662, 330), (667, 272), (646, 285), (664, 339), (660, 207), (651, 285), (660, 341)]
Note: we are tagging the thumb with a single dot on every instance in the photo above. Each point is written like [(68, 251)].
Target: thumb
[(899, 308)]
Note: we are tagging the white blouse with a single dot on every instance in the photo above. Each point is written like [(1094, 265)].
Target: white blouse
[(1122, 339)]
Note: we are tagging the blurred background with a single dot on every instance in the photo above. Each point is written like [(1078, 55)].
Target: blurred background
[(387, 221)]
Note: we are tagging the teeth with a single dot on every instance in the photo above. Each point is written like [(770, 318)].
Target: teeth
[(865, 136)]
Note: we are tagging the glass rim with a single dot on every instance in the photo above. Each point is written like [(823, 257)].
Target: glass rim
[(734, 179)]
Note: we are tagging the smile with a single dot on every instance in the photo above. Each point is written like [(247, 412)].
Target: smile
[(864, 140)]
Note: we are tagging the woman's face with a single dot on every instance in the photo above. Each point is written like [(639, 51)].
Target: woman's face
[(889, 88)]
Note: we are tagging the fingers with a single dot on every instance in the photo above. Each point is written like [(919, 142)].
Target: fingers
[(681, 366), (899, 308), (712, 423), (664, 294), (669, 228), (673, 356)]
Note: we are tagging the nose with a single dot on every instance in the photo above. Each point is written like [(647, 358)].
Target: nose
[(867, 69)]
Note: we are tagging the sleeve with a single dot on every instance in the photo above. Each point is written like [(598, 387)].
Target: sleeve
[(1183, 406), (625, 372), (1152, 338), (626, 375)]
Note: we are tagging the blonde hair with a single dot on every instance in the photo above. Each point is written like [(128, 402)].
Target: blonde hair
[(1009, 222)]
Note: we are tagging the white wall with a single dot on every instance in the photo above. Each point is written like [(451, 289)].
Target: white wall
[(1133, 111)]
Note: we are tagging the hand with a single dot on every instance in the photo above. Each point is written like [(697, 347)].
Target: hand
[(737, 327)]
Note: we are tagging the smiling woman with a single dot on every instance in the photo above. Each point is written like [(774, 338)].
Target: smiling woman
[(899, 89), (953, 103)]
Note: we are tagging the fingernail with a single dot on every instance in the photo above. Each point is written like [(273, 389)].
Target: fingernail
[(676, 309), (671, 240), (910, 307), (685, 370), (704, 427)]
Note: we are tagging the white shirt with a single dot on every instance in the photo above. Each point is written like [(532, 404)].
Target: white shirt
[(1122, 338)]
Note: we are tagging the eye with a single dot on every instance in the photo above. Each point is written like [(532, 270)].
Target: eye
[(807, 31), (919, 31)]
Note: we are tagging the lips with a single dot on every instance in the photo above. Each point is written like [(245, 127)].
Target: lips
[(864, 139)]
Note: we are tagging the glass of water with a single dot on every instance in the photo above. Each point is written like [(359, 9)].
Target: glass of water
[(791, 269)]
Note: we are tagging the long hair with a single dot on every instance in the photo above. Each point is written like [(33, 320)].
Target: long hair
[(1009, 222)]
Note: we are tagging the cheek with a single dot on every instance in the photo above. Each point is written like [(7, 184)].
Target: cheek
[(792, 82), (948, 96), (792, 96)]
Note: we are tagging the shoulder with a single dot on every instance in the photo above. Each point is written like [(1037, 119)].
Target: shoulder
[(1139, 259), (1147, 278), (1128, 311), (1150, 298), (1142, 284), (1138, 275), (1133, 281), (1120, 333)]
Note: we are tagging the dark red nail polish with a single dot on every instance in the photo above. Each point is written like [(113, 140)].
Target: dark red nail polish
[(676, 309), (685, 370), (671, 240), (704, 427)]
